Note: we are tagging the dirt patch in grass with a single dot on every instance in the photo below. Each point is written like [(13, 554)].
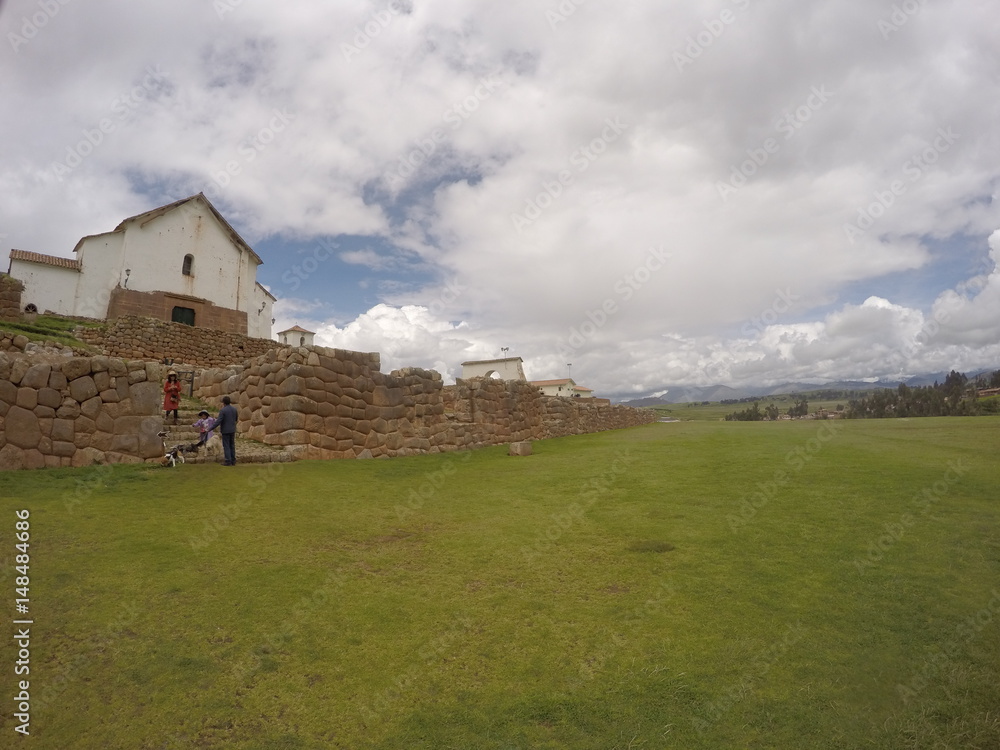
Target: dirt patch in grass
[(651, 546)]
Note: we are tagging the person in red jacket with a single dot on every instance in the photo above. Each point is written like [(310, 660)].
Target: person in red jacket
[(171, 395)]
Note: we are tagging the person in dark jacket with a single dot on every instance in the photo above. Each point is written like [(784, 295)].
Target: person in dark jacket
[(226, 424)]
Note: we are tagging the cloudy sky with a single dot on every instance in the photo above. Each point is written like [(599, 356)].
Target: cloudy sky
[(697, 192)]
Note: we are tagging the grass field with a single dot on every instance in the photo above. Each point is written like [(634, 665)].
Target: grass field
[(715, 410), (686, 585)]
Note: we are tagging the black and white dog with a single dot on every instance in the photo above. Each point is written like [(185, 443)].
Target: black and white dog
[(175, 454)]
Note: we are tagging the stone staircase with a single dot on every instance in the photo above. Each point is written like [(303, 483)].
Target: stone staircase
[(182, 433)]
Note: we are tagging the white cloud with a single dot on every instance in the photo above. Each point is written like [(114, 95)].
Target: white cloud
[(294, 118)]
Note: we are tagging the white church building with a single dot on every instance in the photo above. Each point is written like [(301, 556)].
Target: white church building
[(182, 262)]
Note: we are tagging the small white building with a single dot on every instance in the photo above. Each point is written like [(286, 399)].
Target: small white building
[(510, 368), (296, 336), (182, 262), (563, 387)]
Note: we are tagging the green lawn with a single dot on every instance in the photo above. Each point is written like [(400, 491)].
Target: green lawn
[(685, 585)]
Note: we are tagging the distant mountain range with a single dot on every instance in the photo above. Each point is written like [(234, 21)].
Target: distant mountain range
[(680, 394)]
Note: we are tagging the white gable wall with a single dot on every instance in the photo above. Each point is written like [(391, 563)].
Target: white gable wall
[(153, 249), (222, 271), (505, 369), (46, 287), (101, 270), (259, 321)]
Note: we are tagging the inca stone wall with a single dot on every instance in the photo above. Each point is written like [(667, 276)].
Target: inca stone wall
[(330, 403), (75, 411), (10, 297), (134, 337)]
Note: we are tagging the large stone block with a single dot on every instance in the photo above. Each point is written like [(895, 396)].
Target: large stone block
[(146, 397), (11, 458), (99, 363), (87, 457), (125, 444), (101, 440), (63, 429), (63, 448), (21, 428), (76, 367), (102, 380), (83, 388), (34, 459), (37, 376), (281, 421), (27, 398), (70, 409), (50, 397), (57, 381), (292, 386), (105, 422), (8, 392), (289, 437), (520, 448), (44, 413), (150, 443), (91, 407), (18, 369)]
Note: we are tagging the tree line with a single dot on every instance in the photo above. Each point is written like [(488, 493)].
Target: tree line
[(771, 412), (956, 396)]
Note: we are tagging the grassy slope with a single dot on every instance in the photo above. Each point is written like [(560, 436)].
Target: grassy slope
[(50, 328), (319, 609)]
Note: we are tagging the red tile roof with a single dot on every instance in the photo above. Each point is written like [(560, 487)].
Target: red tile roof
[(48, 260)]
